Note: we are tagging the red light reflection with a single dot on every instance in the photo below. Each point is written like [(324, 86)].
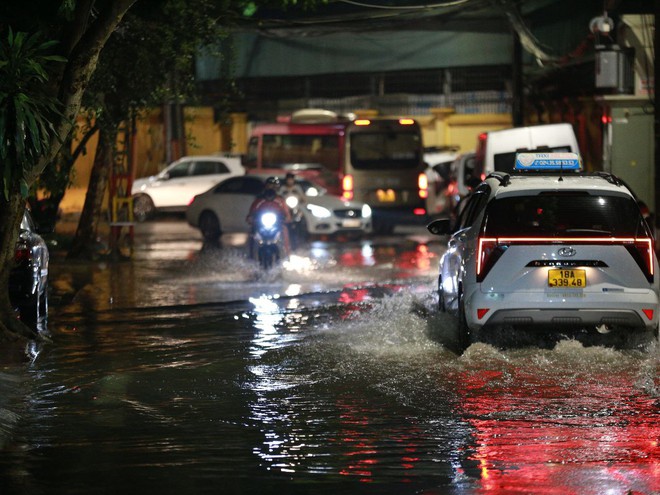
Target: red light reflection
[(562, 440)]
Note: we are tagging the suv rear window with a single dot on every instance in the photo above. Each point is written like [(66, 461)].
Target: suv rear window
[(564, 214)]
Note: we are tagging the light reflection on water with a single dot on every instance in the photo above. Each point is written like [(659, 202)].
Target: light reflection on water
[(344, 392)]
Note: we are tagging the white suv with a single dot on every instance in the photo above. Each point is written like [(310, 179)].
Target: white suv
[(549, 248), (175, 187)]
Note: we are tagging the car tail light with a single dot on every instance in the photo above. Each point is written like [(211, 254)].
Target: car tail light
[(419, 211), (491, 248), (480, 153), (406, 121), (488, 253), (642, 252), (423, 185), (22, 253), (649, 313), (481, 312), (347, 187)]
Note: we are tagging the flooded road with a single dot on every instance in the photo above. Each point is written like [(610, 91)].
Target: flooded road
[(188, 371)]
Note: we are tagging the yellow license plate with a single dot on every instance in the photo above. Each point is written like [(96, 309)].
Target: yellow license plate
[(569, 279), (386, 195)]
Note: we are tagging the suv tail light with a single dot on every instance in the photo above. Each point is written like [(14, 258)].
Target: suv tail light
[(642, 252), (489, 250)]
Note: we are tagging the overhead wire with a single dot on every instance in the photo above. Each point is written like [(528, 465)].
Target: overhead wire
[(452, 3)]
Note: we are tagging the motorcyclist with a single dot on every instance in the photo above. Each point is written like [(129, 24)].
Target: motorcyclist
[(290, 188), (269, 199)]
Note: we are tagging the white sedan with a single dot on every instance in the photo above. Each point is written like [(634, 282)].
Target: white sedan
[(223, 209)]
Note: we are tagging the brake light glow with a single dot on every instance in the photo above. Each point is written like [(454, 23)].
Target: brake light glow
[(406, 121), (22, 254), (481, 312), (419, 211), (347, 187), (642, 249), (485, 249), (362, 122), (423, 185)]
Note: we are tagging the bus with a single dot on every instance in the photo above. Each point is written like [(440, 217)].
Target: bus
[(378, 161)]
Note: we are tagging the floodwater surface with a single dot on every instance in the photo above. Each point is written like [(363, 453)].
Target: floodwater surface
[(312, 382)]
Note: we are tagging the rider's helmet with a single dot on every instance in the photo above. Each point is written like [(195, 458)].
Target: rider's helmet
[(272, 182)]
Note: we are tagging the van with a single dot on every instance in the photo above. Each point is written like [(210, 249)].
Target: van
[(496, 150)]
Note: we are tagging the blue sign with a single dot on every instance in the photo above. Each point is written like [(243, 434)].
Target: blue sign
[(548, 162)]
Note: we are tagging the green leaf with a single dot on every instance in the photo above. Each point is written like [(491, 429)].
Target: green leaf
[(25, 189)]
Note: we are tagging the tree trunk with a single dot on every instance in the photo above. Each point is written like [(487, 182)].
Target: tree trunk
[(84, 242), (72, 83), (11, 213)]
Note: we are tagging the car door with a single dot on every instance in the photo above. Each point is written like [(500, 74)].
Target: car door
[(232, 200), (169, 189), (461, 249), (204, 174)]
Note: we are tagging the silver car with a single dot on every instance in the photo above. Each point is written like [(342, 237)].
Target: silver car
[(224, 208), (28, 279), (555, 250)]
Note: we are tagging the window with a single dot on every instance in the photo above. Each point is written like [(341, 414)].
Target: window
[(208, 168), (300, 148), (471, 207), (385, 150), (561, 214), (240, 185), (179, 170)]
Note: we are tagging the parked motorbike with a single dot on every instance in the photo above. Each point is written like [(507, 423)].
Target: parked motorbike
[(268, 238)]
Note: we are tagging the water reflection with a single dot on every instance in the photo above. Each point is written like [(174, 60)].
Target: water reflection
[(208, 377), (569, 420)]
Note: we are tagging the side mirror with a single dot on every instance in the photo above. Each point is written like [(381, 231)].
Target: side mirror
[(441, 226)]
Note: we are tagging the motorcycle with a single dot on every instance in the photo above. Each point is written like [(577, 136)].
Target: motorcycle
[(268, 238)]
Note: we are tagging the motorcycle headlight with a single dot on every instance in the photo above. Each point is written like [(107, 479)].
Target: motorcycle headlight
[(291, 202), (366, 211), (319, 211), (268, 219)]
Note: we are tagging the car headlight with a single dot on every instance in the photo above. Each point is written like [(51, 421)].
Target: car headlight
[(366, 211), (319, 211)]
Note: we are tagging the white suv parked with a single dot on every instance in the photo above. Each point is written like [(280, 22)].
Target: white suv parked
[(175, 187), (549, 249)]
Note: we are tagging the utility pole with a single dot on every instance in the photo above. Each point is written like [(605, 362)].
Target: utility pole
[(517, 93)]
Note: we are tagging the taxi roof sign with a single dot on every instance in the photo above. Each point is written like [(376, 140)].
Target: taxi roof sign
[(546, 162)]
